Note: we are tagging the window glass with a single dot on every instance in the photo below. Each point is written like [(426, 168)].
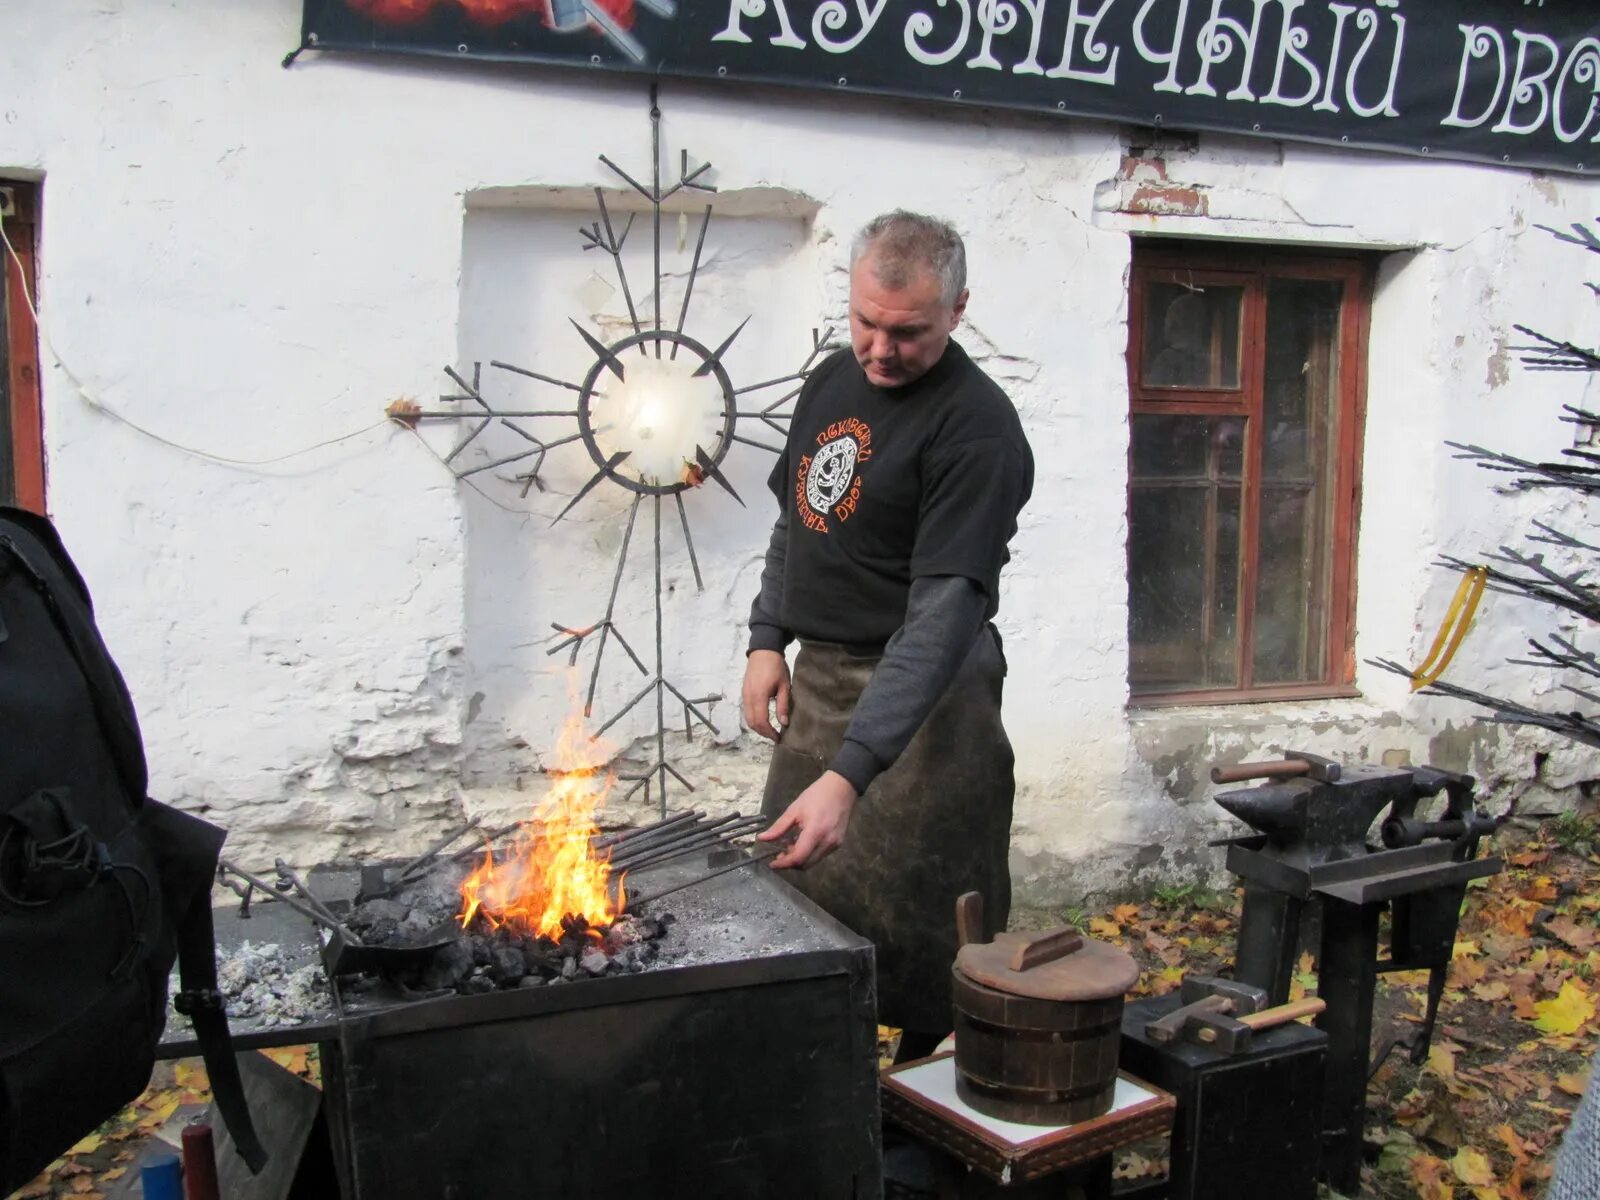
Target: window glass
[(1183, 551), (1191, 335), (1242, 471), (1300, 436)]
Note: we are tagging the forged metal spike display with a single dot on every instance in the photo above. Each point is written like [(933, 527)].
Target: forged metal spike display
[(601, 351), (703, 460), (710, 364), (470, 389), (499, 462), (655, 200), (688, 541), (692, 706), (756, 387), (467, 441), (594, 480), (689, 716), (771, 409), (739, 437), (694, 270), (628, 179), (614, 245), (505, 366), (625, 709), (484, 412), (661, 677)]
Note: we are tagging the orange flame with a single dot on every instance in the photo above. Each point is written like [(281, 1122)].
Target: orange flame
[(551, 869)]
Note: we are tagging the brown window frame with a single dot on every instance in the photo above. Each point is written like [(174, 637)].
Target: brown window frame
[(22, 345), (1255, 266)]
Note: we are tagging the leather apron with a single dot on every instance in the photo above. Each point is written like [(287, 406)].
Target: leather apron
[(934, 825)]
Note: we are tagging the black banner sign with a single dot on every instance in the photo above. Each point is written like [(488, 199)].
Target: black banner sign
[(1503, 81)]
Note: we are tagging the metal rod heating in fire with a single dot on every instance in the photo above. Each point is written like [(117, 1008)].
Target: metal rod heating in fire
[(703, 839), (404, 875), (758, 857), (494, 835), (645, 833), (679, 852), (657, 841)]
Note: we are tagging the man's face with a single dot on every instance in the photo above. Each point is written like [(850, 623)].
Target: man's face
[(898, 334)]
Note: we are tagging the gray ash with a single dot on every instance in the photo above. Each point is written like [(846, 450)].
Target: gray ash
[(265, 986)]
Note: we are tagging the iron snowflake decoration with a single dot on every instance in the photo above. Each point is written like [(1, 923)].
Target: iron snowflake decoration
[(657, 413)]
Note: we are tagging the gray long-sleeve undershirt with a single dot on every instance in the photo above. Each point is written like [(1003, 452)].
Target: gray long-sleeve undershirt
[(944, 614)]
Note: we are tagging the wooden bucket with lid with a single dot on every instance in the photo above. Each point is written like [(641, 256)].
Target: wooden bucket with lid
[(1038, 1021)]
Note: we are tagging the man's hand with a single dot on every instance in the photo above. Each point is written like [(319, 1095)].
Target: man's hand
[(766, 680), (821, 814)]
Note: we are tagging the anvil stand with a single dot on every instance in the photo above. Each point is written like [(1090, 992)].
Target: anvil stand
[(1313, 850)]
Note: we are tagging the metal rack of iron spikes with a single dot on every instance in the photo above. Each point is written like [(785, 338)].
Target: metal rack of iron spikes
[(612, 360), (624, 851)]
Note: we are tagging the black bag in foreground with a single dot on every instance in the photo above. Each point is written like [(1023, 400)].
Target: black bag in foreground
[(100, 887)]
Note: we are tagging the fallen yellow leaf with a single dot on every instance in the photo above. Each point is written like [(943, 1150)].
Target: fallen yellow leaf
[(1573, 1084), (1513, 1144), (1442, 1058), (1428, 1173), (1472, 1167), (1568, 1012), (88, 1145)]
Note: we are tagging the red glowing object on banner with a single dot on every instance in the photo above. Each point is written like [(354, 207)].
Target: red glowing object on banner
[(498, 12), (482, 12), (394, 12)]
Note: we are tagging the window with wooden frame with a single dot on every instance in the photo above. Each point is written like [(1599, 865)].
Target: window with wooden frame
[(21, 424), (1247, 375)]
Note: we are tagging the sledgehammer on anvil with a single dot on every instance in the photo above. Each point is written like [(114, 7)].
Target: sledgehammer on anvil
[(1223, 1014)]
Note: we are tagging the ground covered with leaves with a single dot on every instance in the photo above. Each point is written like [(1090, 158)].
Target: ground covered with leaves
[(1479, 1120), (99, 1167)]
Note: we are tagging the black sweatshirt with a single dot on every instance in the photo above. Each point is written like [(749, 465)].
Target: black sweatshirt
[(896, 505)]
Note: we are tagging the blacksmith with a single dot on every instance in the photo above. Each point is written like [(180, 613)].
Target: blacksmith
[(898, 490)]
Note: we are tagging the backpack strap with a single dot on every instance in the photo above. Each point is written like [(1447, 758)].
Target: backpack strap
[(201, 1001)]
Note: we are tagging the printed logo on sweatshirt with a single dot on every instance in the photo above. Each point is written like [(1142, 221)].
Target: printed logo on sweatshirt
[(826, 482)]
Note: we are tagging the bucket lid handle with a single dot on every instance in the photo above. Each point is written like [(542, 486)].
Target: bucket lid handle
[(969, 919), (1048, 947)]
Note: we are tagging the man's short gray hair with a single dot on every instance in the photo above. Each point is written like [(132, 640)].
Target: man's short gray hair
[(903, 242)]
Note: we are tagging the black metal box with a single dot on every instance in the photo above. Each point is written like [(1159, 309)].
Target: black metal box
[(1248, 1126), (746, 1065)]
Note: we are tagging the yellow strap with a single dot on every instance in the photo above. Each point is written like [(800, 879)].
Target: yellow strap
[(1453, 631)]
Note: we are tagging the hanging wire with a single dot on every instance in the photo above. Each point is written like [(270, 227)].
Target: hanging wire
[(95, 402)]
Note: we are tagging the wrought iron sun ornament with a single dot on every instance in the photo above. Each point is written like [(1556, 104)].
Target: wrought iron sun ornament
[(657, 413)]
